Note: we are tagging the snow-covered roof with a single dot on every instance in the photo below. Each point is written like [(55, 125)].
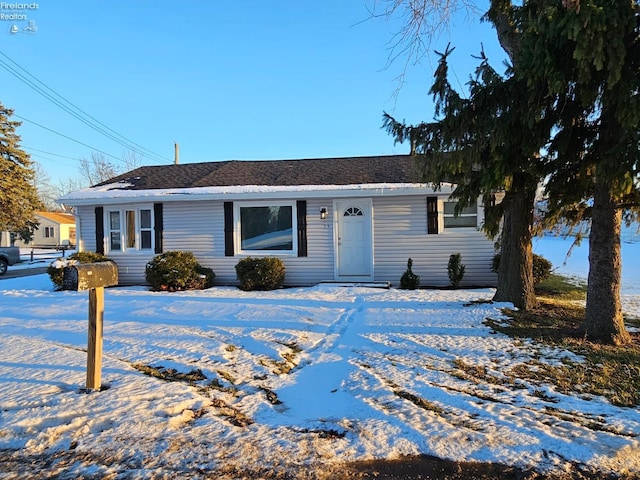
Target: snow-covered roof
[(112, 193)]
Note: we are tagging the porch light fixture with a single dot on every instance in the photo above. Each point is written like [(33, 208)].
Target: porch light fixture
[(323, 213)]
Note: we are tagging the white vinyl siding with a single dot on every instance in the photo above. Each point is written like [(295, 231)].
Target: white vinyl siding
[(86, 229), (199, 227), (400, 233)]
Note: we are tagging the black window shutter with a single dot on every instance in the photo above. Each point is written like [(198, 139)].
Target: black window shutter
[(228, 229), (158, 227), (100, 230), (432, 215), (301, 207)]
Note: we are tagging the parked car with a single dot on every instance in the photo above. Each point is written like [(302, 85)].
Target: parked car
[(8, 256)]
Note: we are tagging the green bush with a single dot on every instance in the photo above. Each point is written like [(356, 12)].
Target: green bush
[(541, 267), (495, 263), (260, 273), (176, 270), (409, 280), (56, 269), (455, 269)]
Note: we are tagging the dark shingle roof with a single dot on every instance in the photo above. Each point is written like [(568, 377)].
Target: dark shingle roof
[(320, 171)]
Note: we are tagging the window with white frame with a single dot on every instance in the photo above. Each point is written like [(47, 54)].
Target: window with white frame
[(468, 217), (146, 229), (49, 232), (115, 238), (130, 229), (267, 227)]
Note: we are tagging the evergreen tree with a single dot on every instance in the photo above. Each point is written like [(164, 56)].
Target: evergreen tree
[(577, 67), (587, 54), (18, 195), (488, 143)]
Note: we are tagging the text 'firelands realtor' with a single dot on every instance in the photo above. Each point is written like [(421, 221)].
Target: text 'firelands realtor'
[(16, 11)]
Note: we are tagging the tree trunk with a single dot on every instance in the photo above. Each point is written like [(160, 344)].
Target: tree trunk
[(501, 16), (515, 274), (603, 317)]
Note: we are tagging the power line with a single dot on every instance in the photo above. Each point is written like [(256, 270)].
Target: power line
[(82, 116), (53, 100), (49, 97), (67, 137), (63, 106), (41, 158), (76, 111), (48, 153)]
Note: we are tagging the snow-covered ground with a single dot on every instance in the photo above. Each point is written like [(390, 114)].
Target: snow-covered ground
[(318, 375), (41, 257)]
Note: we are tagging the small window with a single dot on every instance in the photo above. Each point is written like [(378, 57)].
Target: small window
[(468, 217), (49, 232), (432, 215), (145, 229), (114, 231), (130, 239), (267, 228), (353, 212)]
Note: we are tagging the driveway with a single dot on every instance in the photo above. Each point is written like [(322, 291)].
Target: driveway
[(23, 272)]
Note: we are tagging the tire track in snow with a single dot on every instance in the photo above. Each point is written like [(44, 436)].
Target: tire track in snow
[(314, 391), (335, 335)]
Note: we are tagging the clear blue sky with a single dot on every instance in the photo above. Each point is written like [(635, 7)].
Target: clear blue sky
[(230, 79)]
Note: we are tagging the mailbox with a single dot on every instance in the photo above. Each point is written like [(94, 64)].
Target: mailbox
[(86, 276), (93, 277)]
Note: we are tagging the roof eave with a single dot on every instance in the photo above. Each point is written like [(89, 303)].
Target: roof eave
[(112, 197)]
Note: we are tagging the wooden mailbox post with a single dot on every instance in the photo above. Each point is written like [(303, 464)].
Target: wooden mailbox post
[(93, 277)]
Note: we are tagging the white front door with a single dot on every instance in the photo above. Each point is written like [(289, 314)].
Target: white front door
[(354, 240)]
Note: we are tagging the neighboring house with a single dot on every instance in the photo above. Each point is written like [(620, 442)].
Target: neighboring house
[(334, 219), (55, 229), (5, 239)]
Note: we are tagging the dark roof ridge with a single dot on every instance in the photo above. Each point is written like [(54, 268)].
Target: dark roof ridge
[(357, 157), (310, 171)]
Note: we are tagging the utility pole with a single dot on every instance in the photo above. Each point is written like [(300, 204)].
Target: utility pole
[(176, 153)]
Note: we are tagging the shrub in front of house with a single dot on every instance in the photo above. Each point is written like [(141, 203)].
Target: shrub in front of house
[(265, 273), (455, 269), (541, 267), (56, 269), (409, 280), (177, 270)]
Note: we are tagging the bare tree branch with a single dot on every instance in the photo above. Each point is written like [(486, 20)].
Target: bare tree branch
[(131, 159), (97, 170), (46, 192), (421, 22)]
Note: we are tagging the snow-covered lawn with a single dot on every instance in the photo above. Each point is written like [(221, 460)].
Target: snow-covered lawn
[(318, 375)]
